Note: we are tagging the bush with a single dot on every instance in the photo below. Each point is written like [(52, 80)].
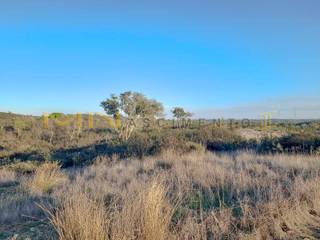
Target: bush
[(46, 177), (303, 143), (293, 143), (56, 115)]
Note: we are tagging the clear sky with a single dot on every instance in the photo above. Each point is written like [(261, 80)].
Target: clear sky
[(211, 57)]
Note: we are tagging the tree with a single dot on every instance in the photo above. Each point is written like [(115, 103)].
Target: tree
[(131, 107), (180, 114), (111, 105)]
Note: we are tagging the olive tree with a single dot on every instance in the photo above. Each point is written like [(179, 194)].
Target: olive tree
[(131, 108), (180, 114)]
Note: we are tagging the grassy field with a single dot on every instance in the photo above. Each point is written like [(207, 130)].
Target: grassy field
[(161, 183)]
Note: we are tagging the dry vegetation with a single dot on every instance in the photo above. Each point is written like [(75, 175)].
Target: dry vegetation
[(45, 178), (108, 189), (193, 196), (79, 217), (7, 176)]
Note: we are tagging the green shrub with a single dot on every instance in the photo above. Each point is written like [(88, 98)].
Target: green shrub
[(56, 115)]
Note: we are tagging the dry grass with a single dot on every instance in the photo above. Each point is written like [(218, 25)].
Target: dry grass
[(23, 167), (79, 218), (17, 207), (157, 213), (7, 176), (145, 216), (240, 196), (229, 196), (46, 177)]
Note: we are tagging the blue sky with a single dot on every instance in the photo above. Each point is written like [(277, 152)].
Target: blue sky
[(207, 56)]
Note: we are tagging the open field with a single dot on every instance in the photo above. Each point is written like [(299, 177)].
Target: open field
[(159, 120), (162, 183), (199, 195)]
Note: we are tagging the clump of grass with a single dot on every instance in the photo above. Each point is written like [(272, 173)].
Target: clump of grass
[(79, 218), (157, 213), (195, 147), (145, 216), (7, 176), (46, 177), (24, 167)]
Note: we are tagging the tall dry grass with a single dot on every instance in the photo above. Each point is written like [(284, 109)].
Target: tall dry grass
[(231, 196), (79, 218), (157, 213), (145, 216), (45, 178), (7, 176)]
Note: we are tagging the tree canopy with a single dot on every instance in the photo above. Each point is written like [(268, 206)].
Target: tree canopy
[(179, 113), (132, 107)]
